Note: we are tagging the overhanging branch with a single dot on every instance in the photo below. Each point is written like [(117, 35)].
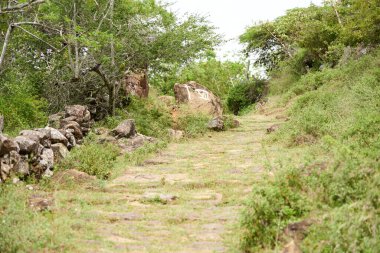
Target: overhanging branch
[(20, 7)]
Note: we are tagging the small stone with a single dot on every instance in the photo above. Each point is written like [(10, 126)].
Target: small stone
[(164, 198), (273, 128), (29, 187), (15, 180), (216, 124), (41, 203)]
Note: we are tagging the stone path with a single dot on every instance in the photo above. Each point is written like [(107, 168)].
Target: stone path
[(187, 198)]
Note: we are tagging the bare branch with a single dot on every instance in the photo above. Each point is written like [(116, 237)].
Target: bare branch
[(20, 7)]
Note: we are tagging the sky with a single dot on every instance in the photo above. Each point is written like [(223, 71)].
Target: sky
[(233, 16)]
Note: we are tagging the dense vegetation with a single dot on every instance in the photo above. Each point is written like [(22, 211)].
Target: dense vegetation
[(323, 61), (319, 67), (56, 53)]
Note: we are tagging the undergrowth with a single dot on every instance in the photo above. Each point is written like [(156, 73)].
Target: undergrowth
[(336, 111)]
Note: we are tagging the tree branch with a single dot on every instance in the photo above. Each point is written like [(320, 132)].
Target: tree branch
[(20, 7)]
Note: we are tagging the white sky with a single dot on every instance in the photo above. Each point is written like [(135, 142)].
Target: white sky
[(233, 16)]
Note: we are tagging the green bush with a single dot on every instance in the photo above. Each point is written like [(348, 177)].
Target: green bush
[(270, 208), (152, 118), (93, 158), (20, 107), (339, 110), (193, 125), (244, 94)]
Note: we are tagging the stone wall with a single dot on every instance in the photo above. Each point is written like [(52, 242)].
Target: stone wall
[(35, 152)]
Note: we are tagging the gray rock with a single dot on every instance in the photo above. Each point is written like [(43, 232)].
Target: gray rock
[(57, 136), (27, 145), (216, 124), (48, 173), (77, 132), (42, 135), (22, 167), (71, 138), (47, 159), (78, 111), (7, 145), (5, 167), (60, 152), (125, 129)]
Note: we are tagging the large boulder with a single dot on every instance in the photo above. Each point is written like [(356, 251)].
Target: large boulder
[(198, 98), (125, 129), (136, 84)]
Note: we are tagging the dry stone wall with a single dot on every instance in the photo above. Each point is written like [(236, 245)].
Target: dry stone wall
[(35, 152)]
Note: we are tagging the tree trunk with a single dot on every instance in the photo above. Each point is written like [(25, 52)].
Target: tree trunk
[(76, 44), (5, 44)]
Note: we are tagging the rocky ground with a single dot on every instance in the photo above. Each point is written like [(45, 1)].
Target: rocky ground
[(185, 199)]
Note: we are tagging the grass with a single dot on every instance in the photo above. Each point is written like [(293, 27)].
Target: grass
[(337, 113)]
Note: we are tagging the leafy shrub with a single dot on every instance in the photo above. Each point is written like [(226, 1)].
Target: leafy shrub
[(271, 207), (343, 117), (193, 125), (93, 158), (244, 94), (152, 118), (20, 107)]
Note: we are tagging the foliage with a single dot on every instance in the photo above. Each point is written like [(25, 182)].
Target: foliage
[(193, 125), (217, 76), (81, 51), (314, 36), (270, 208), (337, 113), (151, 116), (20, 105), (244, 94), (93, 158)]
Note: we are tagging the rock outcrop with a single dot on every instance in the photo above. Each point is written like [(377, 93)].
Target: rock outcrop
[(198, 98)]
